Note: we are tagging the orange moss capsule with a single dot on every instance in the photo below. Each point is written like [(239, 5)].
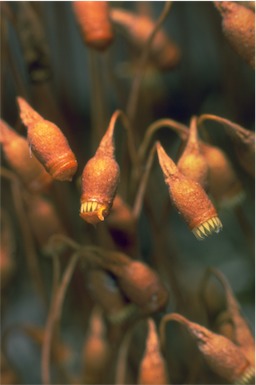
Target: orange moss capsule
[(17, 155), (100, 181), (189, 198), (192, 163), (140, 284), (94, 21), (137, 29), (242, 334), (238, 23), (221, 355), (152, 370), (224, 185), (48, 143), (96, 350)]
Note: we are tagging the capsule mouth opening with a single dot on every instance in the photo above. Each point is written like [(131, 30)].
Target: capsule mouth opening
[(63, 170), (247, 377), (207, 228), (93, 211)]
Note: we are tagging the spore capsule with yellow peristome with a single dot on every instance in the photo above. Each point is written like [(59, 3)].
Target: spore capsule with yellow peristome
[(100, 181), (189, 198)]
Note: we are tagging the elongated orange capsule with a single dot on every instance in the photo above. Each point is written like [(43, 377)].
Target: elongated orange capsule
[(140, 284), (224, 185), (152, 370), (192, 163), (16, 152), (48, 143), (94, 21), (220, 354), (137, 29), (96, 350), (100, 181), (242, 334), (238, 23), (189, 198)]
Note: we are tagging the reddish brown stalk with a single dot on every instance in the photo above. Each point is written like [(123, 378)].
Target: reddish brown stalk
[(177, 127), (54, 317), (138, 202), (136, 85), (122, 354), (244, 140)]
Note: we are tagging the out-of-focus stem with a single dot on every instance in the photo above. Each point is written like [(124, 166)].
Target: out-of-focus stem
[(55, 315), (231, 127), (143, 184), (29, 246), (179, 128), (122, 355), (130, 138), (135, 89)]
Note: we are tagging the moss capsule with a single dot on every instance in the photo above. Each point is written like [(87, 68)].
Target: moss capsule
[(94, 21), (189, 198), (48, 143)]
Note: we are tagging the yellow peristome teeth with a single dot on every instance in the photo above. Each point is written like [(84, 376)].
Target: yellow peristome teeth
[(89, 205), (247, 377), (207, 228), (94, 206)]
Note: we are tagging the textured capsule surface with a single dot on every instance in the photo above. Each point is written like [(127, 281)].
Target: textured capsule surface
[(94, 21), (48, 143), (189, 198), (26, 166), (99, 184)]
